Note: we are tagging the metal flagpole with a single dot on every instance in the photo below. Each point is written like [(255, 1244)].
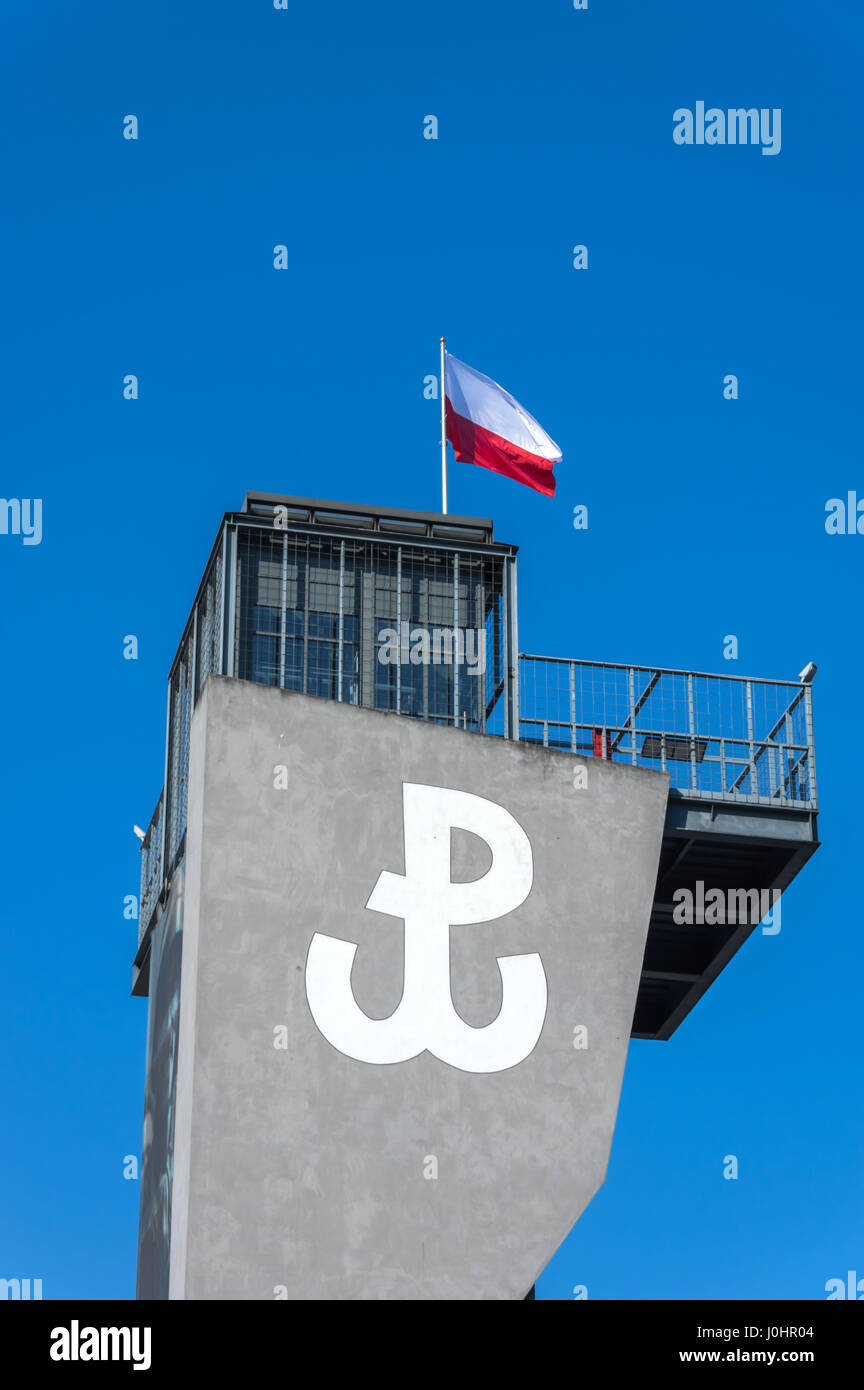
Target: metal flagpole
[(443, 437)]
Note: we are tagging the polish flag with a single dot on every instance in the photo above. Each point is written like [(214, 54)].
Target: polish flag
[(487, 427)]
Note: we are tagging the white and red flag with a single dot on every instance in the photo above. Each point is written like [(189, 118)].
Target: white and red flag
[(488, 427)]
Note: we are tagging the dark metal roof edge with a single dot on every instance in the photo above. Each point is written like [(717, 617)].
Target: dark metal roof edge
[(476, 545), (364, 509)]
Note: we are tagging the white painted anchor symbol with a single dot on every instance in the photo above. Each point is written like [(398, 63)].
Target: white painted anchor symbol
[(429, 903)]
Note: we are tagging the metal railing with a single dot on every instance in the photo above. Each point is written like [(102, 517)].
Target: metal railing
[(151, 869), (720, 738)]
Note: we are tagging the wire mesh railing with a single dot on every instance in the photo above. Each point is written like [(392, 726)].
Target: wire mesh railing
[(726, 738), (151, 868)]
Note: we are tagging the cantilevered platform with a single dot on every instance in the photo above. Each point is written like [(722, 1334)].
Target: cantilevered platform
[(722, 846)]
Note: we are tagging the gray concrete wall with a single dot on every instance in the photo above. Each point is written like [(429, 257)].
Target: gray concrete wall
[(303, 1172)]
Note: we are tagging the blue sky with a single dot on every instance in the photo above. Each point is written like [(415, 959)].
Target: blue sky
[(706, 516)]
